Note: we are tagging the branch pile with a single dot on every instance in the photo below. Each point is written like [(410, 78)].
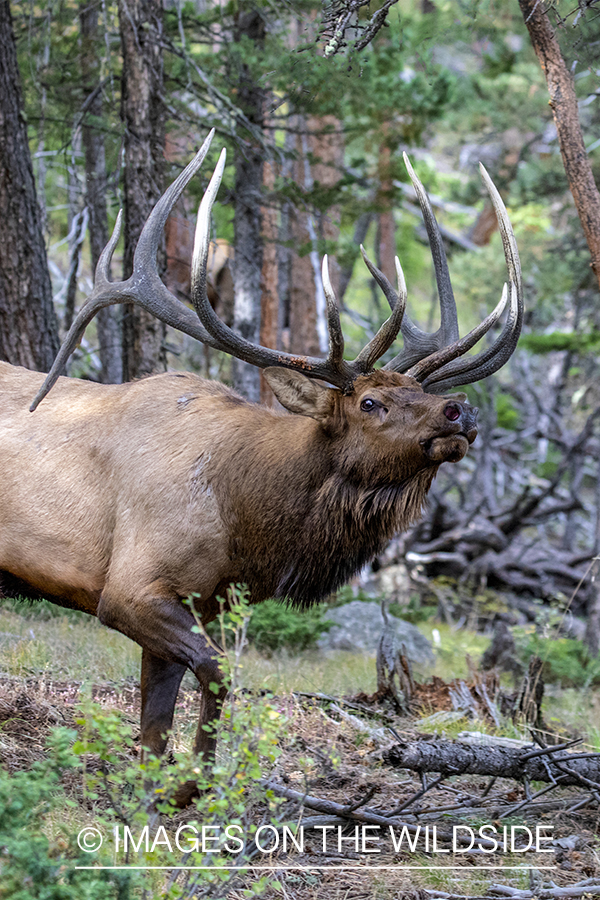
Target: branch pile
[(522, 512)]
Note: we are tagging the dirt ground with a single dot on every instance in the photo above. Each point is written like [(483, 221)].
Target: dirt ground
[(333, 752)]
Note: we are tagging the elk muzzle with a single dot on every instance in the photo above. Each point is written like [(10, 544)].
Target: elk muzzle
[(457, 430)]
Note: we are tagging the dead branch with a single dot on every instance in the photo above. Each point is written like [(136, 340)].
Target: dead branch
[(454, 758), (590, 887), (363, 814)]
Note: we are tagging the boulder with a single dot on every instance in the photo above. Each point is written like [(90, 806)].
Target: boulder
[(358, 626)]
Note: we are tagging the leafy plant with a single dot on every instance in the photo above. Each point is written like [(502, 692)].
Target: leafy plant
[(33, 866), (566, 661), (126, 792), (414, 611), (275, 626)]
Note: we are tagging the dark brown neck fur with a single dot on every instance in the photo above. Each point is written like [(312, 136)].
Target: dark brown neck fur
[(303, 520)]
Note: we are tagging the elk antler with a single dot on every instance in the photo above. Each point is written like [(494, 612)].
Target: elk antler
[(432, 359), (144, 287), (334, 369)]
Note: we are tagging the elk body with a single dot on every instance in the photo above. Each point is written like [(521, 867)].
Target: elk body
[(123, 500)]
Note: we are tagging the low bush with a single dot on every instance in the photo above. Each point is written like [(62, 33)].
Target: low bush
[(276, 626), (33, 866), (122, 792), (566, 661)]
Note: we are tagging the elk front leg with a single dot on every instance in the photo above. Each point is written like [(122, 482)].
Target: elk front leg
[(160, 623), (160, 685), (213, 695)]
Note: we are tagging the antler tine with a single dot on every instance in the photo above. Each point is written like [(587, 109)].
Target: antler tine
[(493, 358), (336, 338), (417, 343), (471, 369), (509, 242), (144, 258), (390, 293), (435, 361), (80, 323), (388, 332), (449, 317), (102, 274), (202, 244), (333, 369)]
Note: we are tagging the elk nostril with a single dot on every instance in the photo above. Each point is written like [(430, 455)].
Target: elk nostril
[(452, 412)]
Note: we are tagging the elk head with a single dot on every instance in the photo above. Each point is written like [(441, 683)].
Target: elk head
[(396, 400)]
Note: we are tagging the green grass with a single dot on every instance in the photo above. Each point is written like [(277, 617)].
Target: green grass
[(340, 672), (454, 647), (68, 646)]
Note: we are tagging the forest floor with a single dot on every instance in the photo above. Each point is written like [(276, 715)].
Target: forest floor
[(48, 664)]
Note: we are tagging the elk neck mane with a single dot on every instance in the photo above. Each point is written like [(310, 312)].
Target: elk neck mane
[(300, 527)]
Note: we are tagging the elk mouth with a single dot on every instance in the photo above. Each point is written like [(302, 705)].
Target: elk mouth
[(448, 446)]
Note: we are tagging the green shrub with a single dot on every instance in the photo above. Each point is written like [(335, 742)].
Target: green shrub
[(415, 611), (507, 416), (566, 661), (33, 867), (275, 626), (576, 341), (347, 593), (121, 791)]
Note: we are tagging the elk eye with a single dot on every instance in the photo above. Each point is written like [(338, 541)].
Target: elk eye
[(367, 405)]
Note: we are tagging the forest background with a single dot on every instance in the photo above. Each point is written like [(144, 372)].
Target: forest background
[(102, 104)]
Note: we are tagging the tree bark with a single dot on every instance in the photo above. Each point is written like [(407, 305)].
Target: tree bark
[(450, 758), (304, 336), (28, 326), (248, 253), (140, 24), (563, 102), (308, 321), (270, 318), (386, 227), (108, 323)]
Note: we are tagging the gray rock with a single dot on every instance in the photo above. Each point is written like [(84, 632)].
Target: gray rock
[(358, 626)]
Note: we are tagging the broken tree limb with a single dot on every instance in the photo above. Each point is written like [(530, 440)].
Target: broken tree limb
[(449, 758), (590, 887), (364, 814)]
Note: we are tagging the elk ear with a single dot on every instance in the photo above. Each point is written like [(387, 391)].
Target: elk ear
[(301, 395)]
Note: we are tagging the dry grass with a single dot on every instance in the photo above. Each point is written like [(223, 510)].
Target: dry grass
[(335, 761), (46, 663), (68, 646)]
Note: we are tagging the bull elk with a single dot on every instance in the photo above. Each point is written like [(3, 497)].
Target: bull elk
[(123, 500)]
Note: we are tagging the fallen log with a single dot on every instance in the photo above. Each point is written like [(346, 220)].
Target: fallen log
[(454, 758)]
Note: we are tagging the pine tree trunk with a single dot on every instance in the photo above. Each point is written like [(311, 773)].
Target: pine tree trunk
[(108, 319), (386, 226), (563, 101), (270, 317), (140, 24), (324, 145), (28, 326), (247, 218)]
